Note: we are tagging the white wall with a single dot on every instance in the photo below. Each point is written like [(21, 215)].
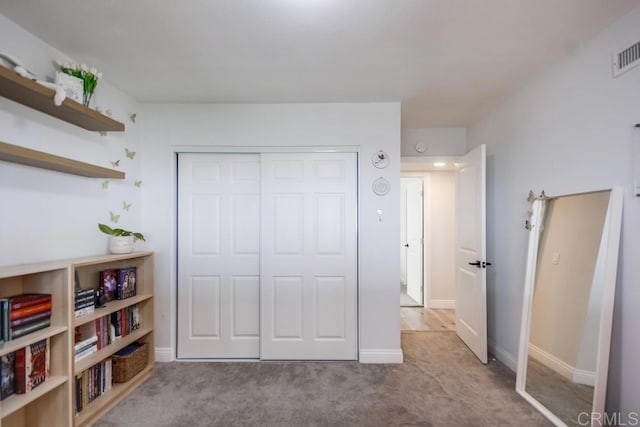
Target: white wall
[(567, 131), (46, 215), (441, 200), (438, 141), (368, 126)]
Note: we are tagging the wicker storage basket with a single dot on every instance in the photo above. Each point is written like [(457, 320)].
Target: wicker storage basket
[(125, 367)]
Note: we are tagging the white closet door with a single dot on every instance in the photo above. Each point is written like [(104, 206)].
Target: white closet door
[(218, 255), (308, 256)]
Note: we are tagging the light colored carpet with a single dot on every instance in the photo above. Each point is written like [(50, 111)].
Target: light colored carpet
[(440, 384)]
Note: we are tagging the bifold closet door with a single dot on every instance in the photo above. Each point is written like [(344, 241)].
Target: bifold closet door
[(308, 256), (218, 255)]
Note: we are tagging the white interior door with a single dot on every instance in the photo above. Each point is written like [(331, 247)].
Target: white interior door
[(471, 288), (414, 238), (403, 232), (309, 258), (218, 255)]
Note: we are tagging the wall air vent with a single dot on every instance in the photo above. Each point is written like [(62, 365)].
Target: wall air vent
[(626, 59)]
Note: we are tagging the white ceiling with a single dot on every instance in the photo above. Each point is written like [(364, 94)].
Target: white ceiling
[(448, 61)]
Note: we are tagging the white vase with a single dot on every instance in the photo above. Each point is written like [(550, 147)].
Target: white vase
[(121, 244)]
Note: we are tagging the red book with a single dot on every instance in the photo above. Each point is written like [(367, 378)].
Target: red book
[(109, 283), (27, 311), (123, 330), (32, 366), (26, 300), (99, 332)]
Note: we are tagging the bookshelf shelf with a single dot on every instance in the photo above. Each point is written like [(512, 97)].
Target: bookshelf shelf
[(27, 92), (18, 401), (88, 361), (54, 400), (13, 345), (109, 308), (39, 159), (102, 404)]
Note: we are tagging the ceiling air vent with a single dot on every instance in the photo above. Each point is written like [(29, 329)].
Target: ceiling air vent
[(626, 59)]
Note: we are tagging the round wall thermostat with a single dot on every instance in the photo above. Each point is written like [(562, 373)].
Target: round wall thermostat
[(380, 159), (421, 147), (381, 186)]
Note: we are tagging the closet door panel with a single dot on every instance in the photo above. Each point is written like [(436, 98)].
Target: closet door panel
[(218, 255), (308, 256)]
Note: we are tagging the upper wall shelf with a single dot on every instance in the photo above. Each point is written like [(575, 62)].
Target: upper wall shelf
[(38, 97), (39, 159)]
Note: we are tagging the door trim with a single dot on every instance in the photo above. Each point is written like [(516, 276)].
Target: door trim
[(263, 149)]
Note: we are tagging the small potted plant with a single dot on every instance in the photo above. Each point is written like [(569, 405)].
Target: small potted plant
[(121, 241)]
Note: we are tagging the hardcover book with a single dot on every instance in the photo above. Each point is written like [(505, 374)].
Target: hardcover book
[(26, 300), (4, 314), (109, 283), (7, 375), (31, 318), (27, 311), (32, 366), (126, 283), (27, 328)]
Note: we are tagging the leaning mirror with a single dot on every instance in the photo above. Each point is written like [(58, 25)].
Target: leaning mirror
[(568, 305)]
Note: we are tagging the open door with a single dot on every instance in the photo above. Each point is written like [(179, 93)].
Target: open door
[(471, 263)]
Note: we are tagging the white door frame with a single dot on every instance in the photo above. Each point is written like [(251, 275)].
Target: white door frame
[(170, 354)]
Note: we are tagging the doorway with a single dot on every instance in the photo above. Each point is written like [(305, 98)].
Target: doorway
[(459, 273), (428, 197)]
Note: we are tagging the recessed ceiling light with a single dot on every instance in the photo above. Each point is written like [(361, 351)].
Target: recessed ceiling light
[(439, 164)]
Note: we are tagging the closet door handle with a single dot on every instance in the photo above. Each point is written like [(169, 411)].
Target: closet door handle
[(406, 245), (477, 263)]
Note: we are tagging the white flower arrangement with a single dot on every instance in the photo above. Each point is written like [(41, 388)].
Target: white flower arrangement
[(89, 76)]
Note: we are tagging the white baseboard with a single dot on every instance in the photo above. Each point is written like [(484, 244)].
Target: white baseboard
[(561, 367), (508, 359), (164, 354), (442, 303), (383, 355)]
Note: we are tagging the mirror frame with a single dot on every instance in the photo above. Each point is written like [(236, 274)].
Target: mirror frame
[(609, 248)]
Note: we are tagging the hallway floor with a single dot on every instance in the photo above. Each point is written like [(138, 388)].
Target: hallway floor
[(427, 319)]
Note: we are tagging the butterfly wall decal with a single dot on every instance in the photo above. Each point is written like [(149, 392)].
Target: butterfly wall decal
[(105, 185), (115, 164), (114, 218), (130, 154), (137, 183), (126, 206)]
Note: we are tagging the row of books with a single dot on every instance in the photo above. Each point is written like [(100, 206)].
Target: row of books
[(85, 302), (118, 284), (94, 336), (22, 314), (92, 383), (24, 369)]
